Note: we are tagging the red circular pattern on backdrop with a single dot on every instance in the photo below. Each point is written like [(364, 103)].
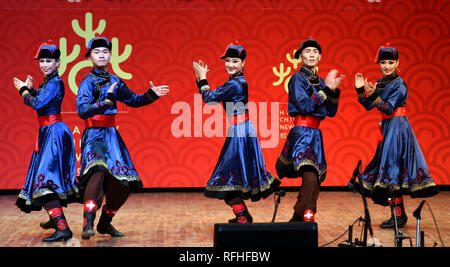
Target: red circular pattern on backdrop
[(166, 36)]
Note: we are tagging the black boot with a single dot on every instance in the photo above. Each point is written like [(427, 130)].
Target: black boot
[(104, 226), (401, 219), (48, 224), (88, 228), (296, 218), (62, 230), (242, 217), (59, 235)]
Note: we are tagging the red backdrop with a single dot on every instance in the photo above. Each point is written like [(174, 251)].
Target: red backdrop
[(158, 40)]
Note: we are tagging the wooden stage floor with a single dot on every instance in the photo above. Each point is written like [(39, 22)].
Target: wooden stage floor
[(186, 219)]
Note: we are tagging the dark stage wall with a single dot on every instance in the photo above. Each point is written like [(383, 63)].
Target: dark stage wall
[(158, 40)]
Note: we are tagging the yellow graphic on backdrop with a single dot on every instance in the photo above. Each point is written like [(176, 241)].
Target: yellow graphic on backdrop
[(88, 33), (283, 74)]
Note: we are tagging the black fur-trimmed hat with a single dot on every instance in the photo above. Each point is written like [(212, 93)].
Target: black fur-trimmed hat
[(98, 41), (308, 43), (234, 50), (47, 50), (386, 52)]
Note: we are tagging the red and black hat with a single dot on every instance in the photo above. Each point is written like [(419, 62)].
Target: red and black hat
[(234, 50), (98, 41), (47, 50), (386, 52), (308, 43)]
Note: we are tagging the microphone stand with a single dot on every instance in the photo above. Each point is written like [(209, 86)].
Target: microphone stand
[(419, 238), (366, 220), (398, 235), (279, 193)]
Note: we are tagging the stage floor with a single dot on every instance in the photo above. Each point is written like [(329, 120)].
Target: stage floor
[(187, 220)]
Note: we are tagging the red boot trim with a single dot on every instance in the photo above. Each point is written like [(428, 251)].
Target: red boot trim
[(55, 212), (308, 216), (109, 212), (90, 206), (238, 208)]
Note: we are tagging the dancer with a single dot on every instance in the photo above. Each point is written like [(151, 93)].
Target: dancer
[(398, 166), (240, 172), (106, 166), (50, 180), (311, 99)]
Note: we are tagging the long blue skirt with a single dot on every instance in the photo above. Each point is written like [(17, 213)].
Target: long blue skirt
[(103, 149), (303, 149), (240, 170), (398, 163), (52, 171)]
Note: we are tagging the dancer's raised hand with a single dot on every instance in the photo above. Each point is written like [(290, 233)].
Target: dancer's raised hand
[(359, 80), (332, 80), (160, 90), (370, 87)]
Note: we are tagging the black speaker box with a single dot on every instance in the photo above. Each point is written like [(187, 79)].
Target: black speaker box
[(301, 234)]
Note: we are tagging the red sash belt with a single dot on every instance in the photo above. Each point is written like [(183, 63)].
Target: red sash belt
[(307, 121), (400, 111), (44, 121), (49, 119), (100, 121), (233, 120)]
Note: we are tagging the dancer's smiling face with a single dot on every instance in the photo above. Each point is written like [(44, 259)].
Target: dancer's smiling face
[(234, 65), (48, 65), (388, 66)]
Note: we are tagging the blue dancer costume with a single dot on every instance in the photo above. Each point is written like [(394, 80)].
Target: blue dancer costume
[(240, 170), (106, 166), (398, 161), (310, 102), (52, 170), (51, 178), (102, 147)]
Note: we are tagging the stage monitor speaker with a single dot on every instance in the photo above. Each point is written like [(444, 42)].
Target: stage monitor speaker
[(301, 234)]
